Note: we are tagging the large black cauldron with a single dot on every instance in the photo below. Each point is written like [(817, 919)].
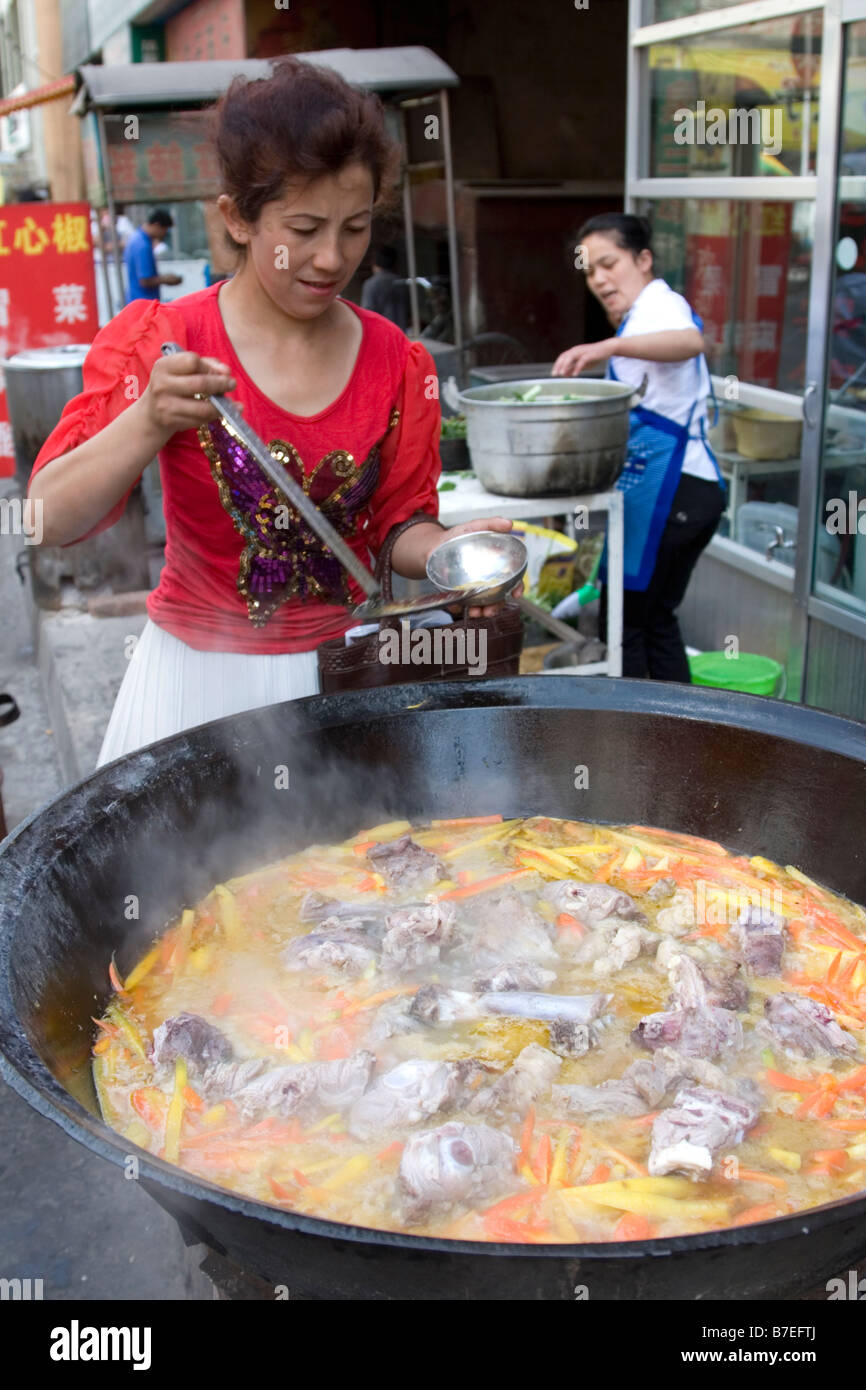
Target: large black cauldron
[(164, 824)]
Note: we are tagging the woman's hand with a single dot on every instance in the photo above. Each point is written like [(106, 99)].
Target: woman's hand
[(574, 360), (466, 528), (169, 403)]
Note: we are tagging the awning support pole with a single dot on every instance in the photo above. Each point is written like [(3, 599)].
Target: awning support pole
[(109, 198), (452, 220), (409, 228)]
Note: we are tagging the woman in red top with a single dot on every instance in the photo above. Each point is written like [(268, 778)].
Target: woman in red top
[(346, 402)]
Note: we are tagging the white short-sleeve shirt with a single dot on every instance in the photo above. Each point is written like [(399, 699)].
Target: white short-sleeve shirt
[(672, 387)]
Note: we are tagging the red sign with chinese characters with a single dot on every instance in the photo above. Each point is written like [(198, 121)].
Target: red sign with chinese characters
[(47, 288)]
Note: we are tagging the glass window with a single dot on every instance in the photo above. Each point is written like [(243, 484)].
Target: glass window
[(745, 269), (683, 9), (841, 522), (741, 101)]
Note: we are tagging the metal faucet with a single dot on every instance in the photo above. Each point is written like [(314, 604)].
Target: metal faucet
[(779, 543)]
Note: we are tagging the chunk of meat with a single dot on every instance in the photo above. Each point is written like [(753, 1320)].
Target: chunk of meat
[(517, 974), (393, 1019), (304, 1086), (593, 903), (191, 1037), (570, 1039), (342, 949), (805, 1028), (574, 1008), (434, 1004), (406, 1094), (315, 907), (611, 947), (679, 915), (661, 889), (760, 935), (404, 864), (694, 985), (688, 1135), (641, 1087), (505, 928), (221, 1079), (529, 1077), (414, 936), (704, 1032), (455, 1163)]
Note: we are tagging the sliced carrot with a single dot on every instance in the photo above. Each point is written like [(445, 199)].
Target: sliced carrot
[(526, 1135), (464, 876), (116, 982), (192, 1099), (283, 1194), (603, 874), (834, 968), (392, 1151), (372, 999), (600, 1174), (751, 1214), (485, 884), (633, 1226), (222, 1003), (783, 1082), (543, 1158), (516, 1202), (300, 1178), (366, 885), (828, 1161), (637, 1168), (642, 1119), (361, 849), (752, 1175), (565, 922), (503, 1228)]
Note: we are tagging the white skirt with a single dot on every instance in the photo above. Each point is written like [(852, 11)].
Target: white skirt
[(170, 687)]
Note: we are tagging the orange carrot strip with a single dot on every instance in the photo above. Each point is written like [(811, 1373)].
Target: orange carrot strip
[(361, 849), (514, 1203), (192, 1098), (222, 1003), (565, 922), (828, 1161), (543, 1159), (101, 1046), (632, 1226), (752, 1175), (783, 1082), (373, 999), (482, 886), (637, 1168), (601, 1173), (526, 1135), (751, 1214), (300, 1179), (283, 1194), (854, 1081), (391, 1151), (117, 983), (834, 968), (643, 1119)]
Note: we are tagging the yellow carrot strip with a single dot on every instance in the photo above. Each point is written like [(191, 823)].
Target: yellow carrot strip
[(559, 1169), (326, 1123), (499, 833), (215, 1115), (228, 911), (467, 890), (144, 967), (349, 1171), (548, 856), (129, 1030), (581, 851), (175, 1113)]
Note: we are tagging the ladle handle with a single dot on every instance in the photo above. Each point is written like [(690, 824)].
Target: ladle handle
[(541, 615)]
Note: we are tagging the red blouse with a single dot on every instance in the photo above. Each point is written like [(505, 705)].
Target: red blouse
[(242, 572)]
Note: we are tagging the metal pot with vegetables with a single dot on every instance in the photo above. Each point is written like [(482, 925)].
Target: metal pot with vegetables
[(549, 437)]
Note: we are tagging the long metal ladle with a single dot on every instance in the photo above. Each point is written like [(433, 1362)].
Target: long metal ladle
[(374, 608)]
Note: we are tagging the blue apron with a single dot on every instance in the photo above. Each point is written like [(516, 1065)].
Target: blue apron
[(656, 450)]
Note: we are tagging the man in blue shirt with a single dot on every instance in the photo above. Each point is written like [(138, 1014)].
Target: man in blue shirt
[(143, 280)]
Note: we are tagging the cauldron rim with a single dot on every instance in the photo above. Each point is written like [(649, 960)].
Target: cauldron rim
[(813, 728)]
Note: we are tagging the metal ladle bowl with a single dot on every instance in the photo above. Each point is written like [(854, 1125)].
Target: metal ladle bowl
[(485, 565)]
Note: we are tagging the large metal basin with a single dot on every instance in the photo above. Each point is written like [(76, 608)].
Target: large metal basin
[(549, 446)]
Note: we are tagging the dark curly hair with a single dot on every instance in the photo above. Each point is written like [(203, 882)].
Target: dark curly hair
[(302, 121)]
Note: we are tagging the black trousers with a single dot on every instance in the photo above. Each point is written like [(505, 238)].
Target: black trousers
[(651, 641)]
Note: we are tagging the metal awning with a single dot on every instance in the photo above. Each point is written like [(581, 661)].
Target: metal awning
[(395, 71)]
